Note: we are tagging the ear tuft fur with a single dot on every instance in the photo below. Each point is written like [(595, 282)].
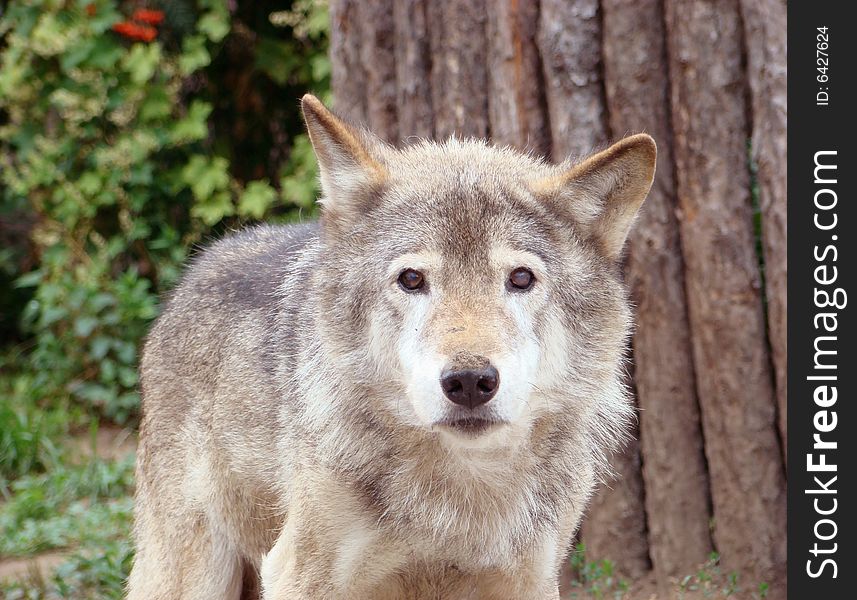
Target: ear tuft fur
[(349, 159), (603, 193)]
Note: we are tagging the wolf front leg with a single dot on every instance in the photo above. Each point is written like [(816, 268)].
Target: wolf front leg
[(509, 585), (329, 548)]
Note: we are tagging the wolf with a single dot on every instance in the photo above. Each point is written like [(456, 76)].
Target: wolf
[(411, 399)]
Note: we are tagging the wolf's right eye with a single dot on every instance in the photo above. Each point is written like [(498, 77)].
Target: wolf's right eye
[(521, 279), (411, 280)]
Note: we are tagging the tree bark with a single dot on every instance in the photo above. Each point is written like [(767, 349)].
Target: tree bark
[(517, 108), (413, 68), (459, 77), (570, 44), (379, 51), (348, 73), (614, 527), (676, 480), (734, 378), (765, 35)]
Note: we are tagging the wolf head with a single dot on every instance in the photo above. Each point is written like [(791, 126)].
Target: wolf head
[(475, 290)]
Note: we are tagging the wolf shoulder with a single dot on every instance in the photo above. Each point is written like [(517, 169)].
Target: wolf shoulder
[(229, 296), (245, 269)]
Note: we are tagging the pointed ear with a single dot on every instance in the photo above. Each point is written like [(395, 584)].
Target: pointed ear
[(349, 162), (602, 194)]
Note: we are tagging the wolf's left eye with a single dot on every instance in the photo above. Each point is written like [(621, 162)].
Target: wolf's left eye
[(411, 280), (521, 279)]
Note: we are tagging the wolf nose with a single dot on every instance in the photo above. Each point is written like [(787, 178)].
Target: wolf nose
[(470, 387)]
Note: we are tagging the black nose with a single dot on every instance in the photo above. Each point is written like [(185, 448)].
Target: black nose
[(470, 387)]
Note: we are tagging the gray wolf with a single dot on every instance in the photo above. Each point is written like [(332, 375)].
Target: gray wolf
[(412, 398)]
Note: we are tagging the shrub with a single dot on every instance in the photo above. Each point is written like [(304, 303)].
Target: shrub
[(110, 147)]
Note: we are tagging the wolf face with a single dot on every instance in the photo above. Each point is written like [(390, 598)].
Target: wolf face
[(477, 285)]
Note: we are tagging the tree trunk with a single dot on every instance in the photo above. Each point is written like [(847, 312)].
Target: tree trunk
[(517, 101), (413, 68), (676, 480), (734, 378), (459, 77), (570, 43), (765, 35), (348, 73), (379, 51)]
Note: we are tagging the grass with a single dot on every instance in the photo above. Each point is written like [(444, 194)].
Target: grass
[(59, 500), (91, 573), (596, 579), (26, 442), (27, 433), (711, 582), (82, 508), (68, 506)]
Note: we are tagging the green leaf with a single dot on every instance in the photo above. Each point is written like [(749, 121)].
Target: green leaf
[(194, 126), (321, 67), (194, 55), (277, 59), (157, 105), (94, 393), (105, 54), (83, 326), (99, 347), (211, 211), (256, 199), (31, 279), (127, 377), (205, 176), (142, 61), (214, 24), (77, 54), (89, 183), (49, 37)]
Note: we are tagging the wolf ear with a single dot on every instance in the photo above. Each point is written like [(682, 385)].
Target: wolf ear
[(603, 193), (349, 162)]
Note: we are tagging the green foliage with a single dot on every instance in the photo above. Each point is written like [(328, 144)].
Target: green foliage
[(26, 440), (711, 582), (85, 507), (113, 150), (117, 157), (87, 574), (597, 579), (71, 504), (92, 573)]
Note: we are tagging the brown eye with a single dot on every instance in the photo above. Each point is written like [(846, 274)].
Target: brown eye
[(521, 279), (411, 280)]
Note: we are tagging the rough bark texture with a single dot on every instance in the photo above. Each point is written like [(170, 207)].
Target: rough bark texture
[(614, 527), (765, 35), (379, 51), (674, 471), (733, 372), (413, 68), (516, 94), (459, 76), (570, 43), (349, 73)]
